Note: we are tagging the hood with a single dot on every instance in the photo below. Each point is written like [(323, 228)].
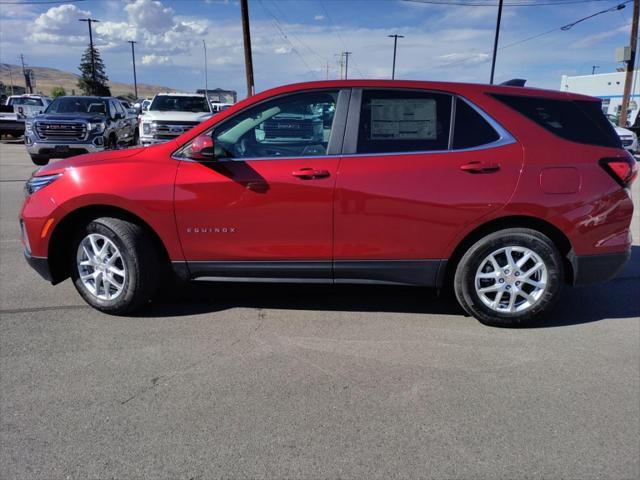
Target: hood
[(151, 115), (70, 117), (623, 132), (108, 156)]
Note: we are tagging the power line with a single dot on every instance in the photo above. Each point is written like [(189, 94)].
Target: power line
[(337, 30), (512, 3), (538, 35), (285, 37)]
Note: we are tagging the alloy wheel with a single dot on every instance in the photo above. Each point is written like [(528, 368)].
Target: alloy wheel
[(511, 279), (101, 267)]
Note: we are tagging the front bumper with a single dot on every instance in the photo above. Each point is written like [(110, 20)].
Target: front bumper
[(146, 141), (597, 268), (60, 149), (40, 265)]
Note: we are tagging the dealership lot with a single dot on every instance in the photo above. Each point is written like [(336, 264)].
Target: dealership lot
[(310, 381)]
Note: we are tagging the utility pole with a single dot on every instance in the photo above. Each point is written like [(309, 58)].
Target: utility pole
[(27, 87), (594, 68), (495, 42), (11, 80), (346, 64), (93, 60), (395, 47), (633, 44), (246, 35), (327, 69), (133, 58), (206, 74)]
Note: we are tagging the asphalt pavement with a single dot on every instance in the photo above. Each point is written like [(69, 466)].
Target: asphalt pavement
[(261, 381)]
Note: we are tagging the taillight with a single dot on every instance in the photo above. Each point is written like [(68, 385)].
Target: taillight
[(622, 169)]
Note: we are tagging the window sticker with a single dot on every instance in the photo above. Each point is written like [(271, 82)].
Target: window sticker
[(403, 119)]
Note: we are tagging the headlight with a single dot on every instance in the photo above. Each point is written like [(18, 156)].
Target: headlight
[(28, 127), (146, 128), (36, 183), (97, 127)]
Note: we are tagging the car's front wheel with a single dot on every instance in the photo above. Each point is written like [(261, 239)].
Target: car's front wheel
[(509, 277), (114, 265)]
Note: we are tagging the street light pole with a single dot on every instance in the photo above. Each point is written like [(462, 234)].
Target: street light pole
[(93, 60), (133, 58), (206, 74), (495, 41), (395, 47)]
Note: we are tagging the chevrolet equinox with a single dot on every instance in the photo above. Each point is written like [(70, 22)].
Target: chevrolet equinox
[(504, 193)]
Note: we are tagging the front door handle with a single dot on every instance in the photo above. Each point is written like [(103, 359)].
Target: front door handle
[(480, 167), (310, 173)]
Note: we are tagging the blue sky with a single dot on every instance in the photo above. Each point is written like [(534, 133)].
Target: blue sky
[(294, 40)]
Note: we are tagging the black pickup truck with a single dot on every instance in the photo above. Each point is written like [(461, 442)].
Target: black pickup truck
[(76, 125)]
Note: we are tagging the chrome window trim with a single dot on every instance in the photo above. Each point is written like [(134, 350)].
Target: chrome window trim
[(504, 137)]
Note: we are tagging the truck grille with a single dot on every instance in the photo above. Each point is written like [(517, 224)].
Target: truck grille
[(288, 129), (169, 130), (61, 131)]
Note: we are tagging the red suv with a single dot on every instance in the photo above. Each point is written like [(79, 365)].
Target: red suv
[(505, 193)]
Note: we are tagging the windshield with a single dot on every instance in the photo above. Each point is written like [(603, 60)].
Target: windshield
[(179, 103), (78, 105), (36, 102)]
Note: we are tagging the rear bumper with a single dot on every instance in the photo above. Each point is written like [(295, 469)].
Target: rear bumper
[(597, 268), (40, 265), (12, 126)]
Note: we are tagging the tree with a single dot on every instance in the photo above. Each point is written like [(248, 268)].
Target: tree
[(58, 92), (85, 82)]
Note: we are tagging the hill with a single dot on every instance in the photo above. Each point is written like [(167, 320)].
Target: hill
[(47, 78)]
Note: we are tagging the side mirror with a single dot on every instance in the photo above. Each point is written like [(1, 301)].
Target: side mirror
[(119, 116), (202, 148)]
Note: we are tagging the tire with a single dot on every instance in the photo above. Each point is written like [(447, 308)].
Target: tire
[(137, 259), (40, 159), (112, 142), (534, 288)]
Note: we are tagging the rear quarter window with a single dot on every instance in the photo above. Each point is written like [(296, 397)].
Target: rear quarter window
[(574, 120)]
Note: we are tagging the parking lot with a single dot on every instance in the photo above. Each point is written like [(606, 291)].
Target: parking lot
[(246, 381)]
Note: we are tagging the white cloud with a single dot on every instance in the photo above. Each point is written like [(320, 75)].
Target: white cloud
[(151, 15), (60, 25), (156, 60), (319, 18)]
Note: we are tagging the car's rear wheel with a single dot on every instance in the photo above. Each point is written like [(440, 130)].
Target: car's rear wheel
[(114, 265), (509, 277), (40, 160)]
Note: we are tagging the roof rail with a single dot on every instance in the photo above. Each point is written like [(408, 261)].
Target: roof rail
[(515, 82)]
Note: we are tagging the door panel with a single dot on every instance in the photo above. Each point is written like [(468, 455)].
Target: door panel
[(411, 206), (255, 209)]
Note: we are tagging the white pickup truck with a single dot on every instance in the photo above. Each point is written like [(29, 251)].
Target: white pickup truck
[(17, 109), (172, 114)]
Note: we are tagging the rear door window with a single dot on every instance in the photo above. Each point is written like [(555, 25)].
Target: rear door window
[(575, 120), (403, 121), (471, 129)]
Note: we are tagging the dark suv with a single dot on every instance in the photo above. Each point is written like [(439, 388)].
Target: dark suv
[(76, 125)]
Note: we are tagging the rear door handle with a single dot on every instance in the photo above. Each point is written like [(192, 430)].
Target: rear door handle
[(480, 167), (310, 173)]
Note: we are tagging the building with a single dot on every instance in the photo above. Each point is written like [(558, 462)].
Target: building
[(609, 87)]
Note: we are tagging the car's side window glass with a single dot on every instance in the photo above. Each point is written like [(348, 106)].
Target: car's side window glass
[(471, 130), (295, 125), (112, 109), (119, 108), (403, 121)]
